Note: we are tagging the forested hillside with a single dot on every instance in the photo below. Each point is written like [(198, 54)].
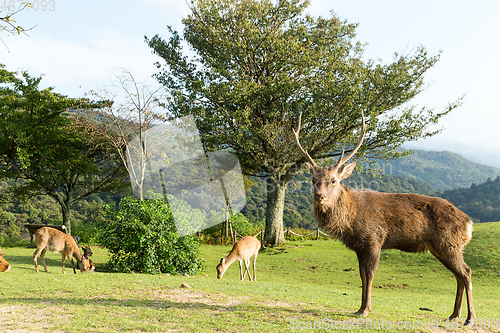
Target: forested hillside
[(442, 170), (481, 202)]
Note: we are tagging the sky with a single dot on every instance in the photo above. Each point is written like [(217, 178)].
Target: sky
[(79, 46)]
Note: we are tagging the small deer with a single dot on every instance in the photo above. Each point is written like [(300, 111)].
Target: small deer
[(87, 253), (243, 250), (4, 265), (368, 222), (51, 239)]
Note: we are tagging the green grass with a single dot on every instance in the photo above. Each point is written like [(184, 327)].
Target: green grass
[(298, 283)]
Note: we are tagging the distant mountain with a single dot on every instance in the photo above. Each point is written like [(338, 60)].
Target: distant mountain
[(441, 170), (486, 156)]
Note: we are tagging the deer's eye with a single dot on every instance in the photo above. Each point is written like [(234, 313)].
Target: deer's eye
[(334, 181)]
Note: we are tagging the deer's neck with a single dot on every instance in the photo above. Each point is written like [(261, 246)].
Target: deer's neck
[(336, 218), (77, 255), (232, 257)]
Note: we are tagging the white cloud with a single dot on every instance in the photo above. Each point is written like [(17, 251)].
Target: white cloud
[(88, 63)]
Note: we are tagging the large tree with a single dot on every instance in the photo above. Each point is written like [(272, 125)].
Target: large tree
[(41, 147), (255, 65)]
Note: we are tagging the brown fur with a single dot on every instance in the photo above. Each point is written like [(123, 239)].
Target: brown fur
[(51, 239), (242, 251), (368, 221), (4, 265)]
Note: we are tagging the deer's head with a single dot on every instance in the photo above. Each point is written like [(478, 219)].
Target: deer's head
[(83, 265), (326, 181), (221, 268)]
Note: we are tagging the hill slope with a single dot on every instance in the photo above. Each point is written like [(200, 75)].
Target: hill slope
[(481, 202), (442, 170)]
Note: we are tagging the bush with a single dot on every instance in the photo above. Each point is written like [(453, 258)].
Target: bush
[(141, 237), (88, 233)]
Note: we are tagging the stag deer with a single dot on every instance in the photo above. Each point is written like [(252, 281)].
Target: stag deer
[(369, 221), (4, 265), (51, 239), (243, 250)]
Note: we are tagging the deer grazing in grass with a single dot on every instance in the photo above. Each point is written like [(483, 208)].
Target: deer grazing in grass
[(51, 239), (242, 251), (369, 221), (4, 265)]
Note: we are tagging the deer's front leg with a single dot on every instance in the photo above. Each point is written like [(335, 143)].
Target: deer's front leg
[(368, 263)]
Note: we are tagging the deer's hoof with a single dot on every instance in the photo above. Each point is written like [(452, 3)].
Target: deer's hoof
[(361, 313)]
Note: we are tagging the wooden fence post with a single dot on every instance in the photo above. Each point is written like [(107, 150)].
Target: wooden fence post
[(231, 229)]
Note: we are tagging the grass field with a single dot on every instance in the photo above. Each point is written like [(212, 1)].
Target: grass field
[(300, 284)]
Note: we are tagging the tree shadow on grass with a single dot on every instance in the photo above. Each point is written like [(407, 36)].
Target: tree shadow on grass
[(285, 312)]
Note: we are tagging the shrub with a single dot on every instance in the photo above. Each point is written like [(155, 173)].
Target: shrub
[(141, 237)]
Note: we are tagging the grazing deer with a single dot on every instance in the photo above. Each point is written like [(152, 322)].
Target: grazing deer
[(4, 265), (243, 250), (369, 221), (87, 253), (51, 239)]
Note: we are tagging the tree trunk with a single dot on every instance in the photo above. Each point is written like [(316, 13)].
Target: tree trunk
[(65, 205), (274, 211), (66, 211)]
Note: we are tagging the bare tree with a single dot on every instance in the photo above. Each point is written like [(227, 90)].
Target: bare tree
[(119, 122), (369, 221)]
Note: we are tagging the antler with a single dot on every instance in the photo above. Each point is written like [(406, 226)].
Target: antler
[(309, 158), (342, 160)]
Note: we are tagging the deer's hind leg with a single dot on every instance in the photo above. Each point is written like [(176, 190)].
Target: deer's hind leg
[(42, 258), (247, 268), (35, 256), (254, 261), (454, 261)]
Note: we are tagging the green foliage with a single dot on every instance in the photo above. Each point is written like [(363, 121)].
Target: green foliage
[(41, 145), (256, 65), (481, 202), (141, 236)]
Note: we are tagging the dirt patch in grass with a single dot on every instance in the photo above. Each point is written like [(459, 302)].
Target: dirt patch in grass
[(190, 296), (30, 319)]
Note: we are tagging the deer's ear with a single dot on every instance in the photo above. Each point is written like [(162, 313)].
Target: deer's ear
[(346, 170)]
